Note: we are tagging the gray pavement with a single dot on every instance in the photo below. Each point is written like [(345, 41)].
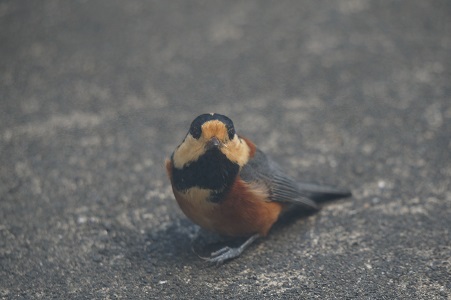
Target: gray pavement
[(94, 95)]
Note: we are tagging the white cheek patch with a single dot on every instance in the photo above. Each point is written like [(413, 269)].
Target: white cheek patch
[(237, 151), (190, 150)]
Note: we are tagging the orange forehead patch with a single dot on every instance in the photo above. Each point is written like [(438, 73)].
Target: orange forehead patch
[(214, 128)]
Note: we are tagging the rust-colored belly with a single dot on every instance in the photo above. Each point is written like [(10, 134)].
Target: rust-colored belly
[(242, 213)]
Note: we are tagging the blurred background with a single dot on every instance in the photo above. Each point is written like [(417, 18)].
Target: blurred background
[(94, 95)]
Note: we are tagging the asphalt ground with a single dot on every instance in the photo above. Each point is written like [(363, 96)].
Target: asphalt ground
[(94, 95)]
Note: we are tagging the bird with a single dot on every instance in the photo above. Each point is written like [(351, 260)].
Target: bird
[(225, 184)]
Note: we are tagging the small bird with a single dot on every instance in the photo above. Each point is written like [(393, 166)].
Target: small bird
[(225, 184)]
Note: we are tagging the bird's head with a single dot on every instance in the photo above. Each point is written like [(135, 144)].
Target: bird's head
[(211, 133)]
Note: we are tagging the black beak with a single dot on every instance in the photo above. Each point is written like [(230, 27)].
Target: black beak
[(213, 143)]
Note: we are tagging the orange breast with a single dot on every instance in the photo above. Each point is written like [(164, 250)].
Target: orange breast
[(246, 210)]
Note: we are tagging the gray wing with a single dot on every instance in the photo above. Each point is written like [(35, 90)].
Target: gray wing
[(261, 169)]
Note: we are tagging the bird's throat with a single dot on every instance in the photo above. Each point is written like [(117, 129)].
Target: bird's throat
[(212, 171)]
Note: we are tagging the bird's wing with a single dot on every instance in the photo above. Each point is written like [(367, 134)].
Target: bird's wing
[(261, 169)]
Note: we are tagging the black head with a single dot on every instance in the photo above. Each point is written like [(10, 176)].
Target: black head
[(196, 126)]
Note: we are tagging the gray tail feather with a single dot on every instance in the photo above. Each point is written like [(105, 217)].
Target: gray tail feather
[(320, 193)]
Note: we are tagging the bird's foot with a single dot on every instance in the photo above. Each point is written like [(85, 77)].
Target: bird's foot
[(224, 254), (227, 253)]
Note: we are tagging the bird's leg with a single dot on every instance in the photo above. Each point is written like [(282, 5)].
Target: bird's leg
[(194, 238), (227, 253)]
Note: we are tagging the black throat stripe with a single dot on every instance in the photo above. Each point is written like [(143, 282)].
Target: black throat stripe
[(213, 171)]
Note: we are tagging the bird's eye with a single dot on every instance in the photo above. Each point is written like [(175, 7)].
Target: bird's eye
[(195, 131), (231, 132)]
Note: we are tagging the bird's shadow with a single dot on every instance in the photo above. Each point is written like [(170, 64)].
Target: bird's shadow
[(207, 242), (183, 243)]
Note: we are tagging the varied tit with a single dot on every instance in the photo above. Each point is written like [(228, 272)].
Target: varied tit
[(225, 184)]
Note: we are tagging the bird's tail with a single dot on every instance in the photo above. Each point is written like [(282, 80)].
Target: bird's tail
[(322, 193)]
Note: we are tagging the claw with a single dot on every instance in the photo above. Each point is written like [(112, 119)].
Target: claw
[(224, 254), (227, 253), (220, 251)]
